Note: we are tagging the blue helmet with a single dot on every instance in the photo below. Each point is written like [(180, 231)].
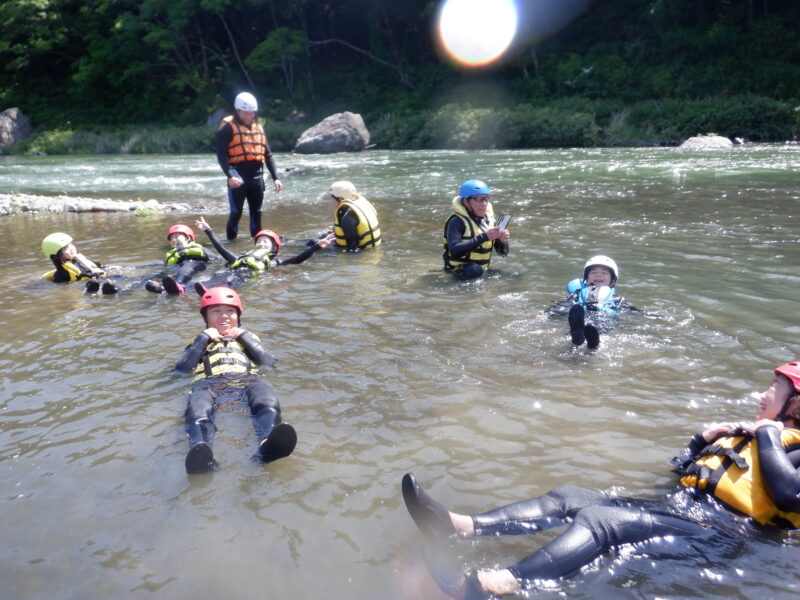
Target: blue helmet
[(473, 187)]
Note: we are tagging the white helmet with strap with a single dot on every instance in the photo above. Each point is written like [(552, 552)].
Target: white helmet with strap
[(602, 261), (245, 101), (343, 189)]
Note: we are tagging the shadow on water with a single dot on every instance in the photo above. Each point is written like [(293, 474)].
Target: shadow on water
[(387, 365)]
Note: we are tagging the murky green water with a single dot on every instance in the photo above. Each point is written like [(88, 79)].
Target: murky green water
[(387, 366)]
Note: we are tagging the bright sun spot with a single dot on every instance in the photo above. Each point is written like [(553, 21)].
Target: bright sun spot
[(477, 32)]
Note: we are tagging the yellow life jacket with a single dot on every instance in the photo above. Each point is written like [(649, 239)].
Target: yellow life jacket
[(368, 230), (226, 357), (191, 251), (246, 144), (258, 259), (78, 268), (481, 255), (729, 470)]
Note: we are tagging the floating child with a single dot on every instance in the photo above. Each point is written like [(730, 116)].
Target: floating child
[(225, 358), (263, 256), (189, 256), (593, 298), (71, 265)]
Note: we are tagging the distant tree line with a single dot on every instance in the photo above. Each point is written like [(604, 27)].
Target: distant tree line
[(93, 63)]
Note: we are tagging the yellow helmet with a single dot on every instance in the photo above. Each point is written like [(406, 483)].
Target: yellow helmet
[(55, 242)]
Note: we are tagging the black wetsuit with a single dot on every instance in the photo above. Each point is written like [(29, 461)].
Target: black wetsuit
[(599, 522), (200, 406), (237, 278), (348, 221), (458, 247), (252, 190)]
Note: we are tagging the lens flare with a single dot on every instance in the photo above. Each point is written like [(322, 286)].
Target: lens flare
[(475, 33)]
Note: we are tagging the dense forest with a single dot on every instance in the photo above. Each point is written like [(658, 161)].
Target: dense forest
[(578, 73)]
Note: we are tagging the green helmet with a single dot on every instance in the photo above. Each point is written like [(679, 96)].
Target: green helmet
[(55, 242)]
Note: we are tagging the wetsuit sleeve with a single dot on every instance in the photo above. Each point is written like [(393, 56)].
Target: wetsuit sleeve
[(222, 138), (454, 232), (61, 275), (217, 243), (779, 473), (193, 354), (269, 161), (348, 221), (255, 350), (297, 259), (689, 453)]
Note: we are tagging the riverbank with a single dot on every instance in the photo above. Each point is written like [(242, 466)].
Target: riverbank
[(568, 123), (13, 204)]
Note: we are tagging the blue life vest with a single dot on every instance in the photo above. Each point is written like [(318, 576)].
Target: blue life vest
[(592, 297)]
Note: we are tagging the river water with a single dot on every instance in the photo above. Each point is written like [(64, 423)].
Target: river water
[(388, 366)]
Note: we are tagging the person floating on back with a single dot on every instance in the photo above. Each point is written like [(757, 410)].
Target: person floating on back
[(71, 265), (752, 470), (263, 256), (593, 298), (225, 358), (355, 220), (185, 253), (471, 234)]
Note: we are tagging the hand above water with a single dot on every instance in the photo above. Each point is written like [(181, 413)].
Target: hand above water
[(202, 225)]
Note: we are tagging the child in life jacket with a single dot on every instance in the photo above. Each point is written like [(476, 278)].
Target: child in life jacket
[(263, 256), (189, 256), (593, 298), (71, 265), (225, 358)]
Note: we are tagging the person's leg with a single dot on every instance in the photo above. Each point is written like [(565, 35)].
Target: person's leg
[(469, 271), (276, 439), (576, 324), (188, 269), (255, 201), (235, 206), (540, 513), (199, 427), (593, 531)]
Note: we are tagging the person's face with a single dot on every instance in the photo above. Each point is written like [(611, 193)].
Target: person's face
[(599, 276), (774, 398), (246, 116), (68, 252), (263, 242), (178, 238), (478, 205), (222, 317)]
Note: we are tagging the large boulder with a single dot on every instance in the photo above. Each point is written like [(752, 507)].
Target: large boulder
[(14, 126), (342, 132), (703, 142)]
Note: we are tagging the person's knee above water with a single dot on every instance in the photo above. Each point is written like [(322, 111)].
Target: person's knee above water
[(471, 233), (70, 265), (263, 255), (184, 253), (225, 354), (592, 297), (242, 151), (753, 470), (355, 220)]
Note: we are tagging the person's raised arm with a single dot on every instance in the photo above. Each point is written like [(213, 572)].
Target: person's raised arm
[(778, 471)]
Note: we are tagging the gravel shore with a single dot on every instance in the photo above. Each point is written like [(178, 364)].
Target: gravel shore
[(12, 204)]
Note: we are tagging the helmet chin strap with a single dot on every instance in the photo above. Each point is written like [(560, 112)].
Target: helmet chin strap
[(782, 417)]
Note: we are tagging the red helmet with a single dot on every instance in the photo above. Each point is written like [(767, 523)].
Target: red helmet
[(220, 295), (184, 229), (792, 372), (276, 239)]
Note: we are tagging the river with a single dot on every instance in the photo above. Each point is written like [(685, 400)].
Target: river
[(387, 366)]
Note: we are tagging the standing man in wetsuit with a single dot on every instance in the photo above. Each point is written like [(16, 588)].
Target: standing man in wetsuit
[(242, 152)]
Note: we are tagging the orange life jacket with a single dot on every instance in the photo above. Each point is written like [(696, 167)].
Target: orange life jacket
[(246, 144)]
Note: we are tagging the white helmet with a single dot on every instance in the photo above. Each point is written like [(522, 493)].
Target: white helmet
[(343, 189), (245, 101), (602, 261)]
